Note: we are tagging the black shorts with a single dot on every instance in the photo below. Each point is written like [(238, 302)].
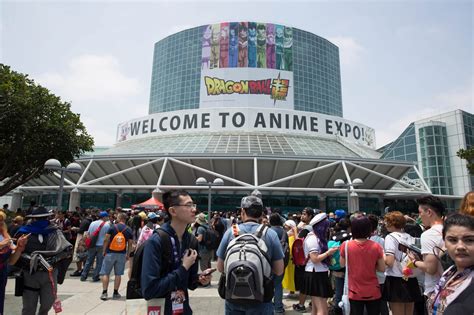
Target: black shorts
[(299, 277), (398, 290), (317, 284)]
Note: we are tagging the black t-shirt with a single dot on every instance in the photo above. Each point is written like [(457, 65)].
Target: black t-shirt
[(126, 231), (84, 226)]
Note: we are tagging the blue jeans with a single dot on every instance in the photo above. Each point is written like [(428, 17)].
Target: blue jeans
[(92, 253), (239, 309), (278, 298), (339, 290)]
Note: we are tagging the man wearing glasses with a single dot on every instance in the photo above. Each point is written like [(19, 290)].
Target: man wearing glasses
[(171, 279)]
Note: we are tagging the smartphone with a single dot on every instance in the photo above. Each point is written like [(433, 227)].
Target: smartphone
[(205, 274)]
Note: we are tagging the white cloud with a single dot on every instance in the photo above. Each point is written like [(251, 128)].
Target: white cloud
[(100, 91), (350, 51), (456, 98), (92, 77)]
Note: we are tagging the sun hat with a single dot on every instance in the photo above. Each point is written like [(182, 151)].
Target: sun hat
[(40, 212), (318, 218), (201, 219)]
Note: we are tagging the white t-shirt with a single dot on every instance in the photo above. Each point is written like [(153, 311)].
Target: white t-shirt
[(430, 239), (311, 245), (391, 248), (381, 242)]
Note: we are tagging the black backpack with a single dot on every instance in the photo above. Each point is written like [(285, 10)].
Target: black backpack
[(211, 239), (134, 289), (286, 248)]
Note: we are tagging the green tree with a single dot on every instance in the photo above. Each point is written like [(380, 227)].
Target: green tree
[(468, 155), (35, 125)]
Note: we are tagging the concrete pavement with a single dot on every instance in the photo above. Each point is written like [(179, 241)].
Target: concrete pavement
[(79, 298)]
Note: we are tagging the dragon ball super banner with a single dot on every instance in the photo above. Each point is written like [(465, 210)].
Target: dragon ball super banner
[(246, 64)]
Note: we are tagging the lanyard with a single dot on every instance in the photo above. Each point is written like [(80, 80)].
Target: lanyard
[(176, 260)]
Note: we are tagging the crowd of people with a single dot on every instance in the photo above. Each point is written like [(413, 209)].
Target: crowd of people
[(329, 263)]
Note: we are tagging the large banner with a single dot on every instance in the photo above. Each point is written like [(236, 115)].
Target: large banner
[(246, 120), (241, 87), (247, 64)]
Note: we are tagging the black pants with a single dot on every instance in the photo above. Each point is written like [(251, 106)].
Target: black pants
[(372, 306)]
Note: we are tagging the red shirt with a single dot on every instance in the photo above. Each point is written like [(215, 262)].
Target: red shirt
[(362, 261)]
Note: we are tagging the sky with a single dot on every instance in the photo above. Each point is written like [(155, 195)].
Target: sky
[(400, 60)]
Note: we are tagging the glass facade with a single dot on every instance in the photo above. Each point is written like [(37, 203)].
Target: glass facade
[(468, 122), (435, 158), (175, 82), (404, 148)]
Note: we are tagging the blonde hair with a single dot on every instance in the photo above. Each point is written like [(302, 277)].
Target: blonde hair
[(3, 225), (467, 204)]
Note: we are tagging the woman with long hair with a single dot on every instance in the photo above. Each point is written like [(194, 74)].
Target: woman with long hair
[(401, 288), (316, 279), (454, 292)]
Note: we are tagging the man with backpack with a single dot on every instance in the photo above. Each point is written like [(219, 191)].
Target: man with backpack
[(96, 233), (116, 253), (208, 241), (171, 266), (249, 256)]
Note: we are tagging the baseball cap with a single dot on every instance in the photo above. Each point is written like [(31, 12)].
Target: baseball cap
[(340, 213), (152, 215), (249, 201), (103, 214)]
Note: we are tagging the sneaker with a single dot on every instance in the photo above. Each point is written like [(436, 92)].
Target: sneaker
[(103, 297), (299, 308), (76, 273), (95, 279), (116, 296), (83, 279), (290, 295), (282, 311)]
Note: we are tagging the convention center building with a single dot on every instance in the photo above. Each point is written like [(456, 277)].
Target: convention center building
[(245, 106)]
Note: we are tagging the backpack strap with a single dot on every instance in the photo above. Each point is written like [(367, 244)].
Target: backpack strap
[(166, 254), (262, 230)]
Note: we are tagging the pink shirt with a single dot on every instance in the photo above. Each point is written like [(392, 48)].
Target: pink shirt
[(362, 261)]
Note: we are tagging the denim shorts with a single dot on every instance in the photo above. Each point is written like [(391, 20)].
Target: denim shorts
[(115, 260)]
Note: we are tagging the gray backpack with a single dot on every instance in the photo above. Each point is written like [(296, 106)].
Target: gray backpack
[(247, 277)]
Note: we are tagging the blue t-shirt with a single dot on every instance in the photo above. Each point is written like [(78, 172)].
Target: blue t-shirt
[(94, 226), (275, 252), (126, 231)]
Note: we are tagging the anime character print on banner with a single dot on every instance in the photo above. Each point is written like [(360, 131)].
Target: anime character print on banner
[(230, 53)]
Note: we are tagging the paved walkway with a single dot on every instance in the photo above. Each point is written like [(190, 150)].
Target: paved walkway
[(80, 298)]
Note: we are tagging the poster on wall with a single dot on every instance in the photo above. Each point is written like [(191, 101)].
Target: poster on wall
[(247, 64)]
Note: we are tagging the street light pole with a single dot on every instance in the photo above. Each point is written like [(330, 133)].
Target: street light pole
[(201, 181), (55, 165), (350, 186)]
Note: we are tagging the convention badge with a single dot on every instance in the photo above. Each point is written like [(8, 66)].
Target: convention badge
[(177, 299), (57, 306)]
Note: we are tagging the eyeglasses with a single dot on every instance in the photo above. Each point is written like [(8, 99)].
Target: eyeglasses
[(188, 205)]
